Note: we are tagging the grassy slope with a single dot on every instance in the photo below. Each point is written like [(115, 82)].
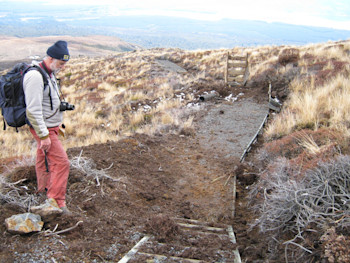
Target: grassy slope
[(305, 184), (130, 92)]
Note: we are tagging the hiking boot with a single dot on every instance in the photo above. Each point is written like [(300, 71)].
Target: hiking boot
[(48, 210), (66, 211)]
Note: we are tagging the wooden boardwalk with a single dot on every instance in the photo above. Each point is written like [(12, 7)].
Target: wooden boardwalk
[(149, 250)]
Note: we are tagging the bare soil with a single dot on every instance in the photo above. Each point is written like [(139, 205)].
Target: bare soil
[(176, 190)]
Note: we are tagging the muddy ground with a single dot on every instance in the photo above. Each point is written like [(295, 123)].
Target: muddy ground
[(144, 186)]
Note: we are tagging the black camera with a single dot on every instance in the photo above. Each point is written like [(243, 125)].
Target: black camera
[(66, 106)]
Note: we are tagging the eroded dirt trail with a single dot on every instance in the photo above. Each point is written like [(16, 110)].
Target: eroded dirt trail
[(154, 182), (229, 127)]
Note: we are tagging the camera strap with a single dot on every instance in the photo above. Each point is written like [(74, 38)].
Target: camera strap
[(56, 87), (52, 114), (49, 78)]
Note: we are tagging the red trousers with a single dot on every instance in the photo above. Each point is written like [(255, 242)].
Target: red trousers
[(55, 180)]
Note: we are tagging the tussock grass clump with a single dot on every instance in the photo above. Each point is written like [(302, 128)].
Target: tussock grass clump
[(304, 149), (314, 107)]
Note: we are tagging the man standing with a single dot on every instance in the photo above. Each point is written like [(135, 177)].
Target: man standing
[(45, 120)]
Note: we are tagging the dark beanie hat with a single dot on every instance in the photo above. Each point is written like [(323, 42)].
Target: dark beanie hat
[(59, 51)]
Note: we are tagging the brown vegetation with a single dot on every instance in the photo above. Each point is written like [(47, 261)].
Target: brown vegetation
[(300, 196)]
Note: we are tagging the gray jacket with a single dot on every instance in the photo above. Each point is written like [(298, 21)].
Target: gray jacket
[(38, 104)]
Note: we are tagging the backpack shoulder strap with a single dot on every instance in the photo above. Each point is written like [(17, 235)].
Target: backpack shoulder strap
[(43, 74), (45, 79)]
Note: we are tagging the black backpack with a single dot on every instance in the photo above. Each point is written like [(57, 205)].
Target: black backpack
[(12, 102)]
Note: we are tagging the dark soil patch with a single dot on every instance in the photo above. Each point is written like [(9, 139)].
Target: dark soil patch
[(157, 176), (152, 183)]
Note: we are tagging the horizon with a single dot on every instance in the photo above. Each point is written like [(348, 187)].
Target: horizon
[(318, 13)]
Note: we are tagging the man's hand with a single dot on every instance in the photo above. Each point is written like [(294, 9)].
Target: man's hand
[(45, 144)]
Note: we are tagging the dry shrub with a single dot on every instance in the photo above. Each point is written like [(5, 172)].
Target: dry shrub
[(18, 188), (88, 169), (162, 227), (295, 205), (288, 55)]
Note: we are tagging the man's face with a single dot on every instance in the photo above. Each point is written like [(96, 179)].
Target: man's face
[(57, 65)]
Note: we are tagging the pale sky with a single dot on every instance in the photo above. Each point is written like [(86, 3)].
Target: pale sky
[(323, 13)]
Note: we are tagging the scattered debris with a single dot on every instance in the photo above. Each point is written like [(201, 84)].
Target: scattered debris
[(209, 96), (50, 233)]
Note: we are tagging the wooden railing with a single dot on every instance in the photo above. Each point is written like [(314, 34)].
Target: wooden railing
[(237, 70)]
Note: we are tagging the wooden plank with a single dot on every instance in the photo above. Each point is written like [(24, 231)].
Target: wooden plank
[(233, 240), (199, 232), (163, 257), (247, 149), (208, 228), (195, 222), (234, 193), (274, 108), (134, 250), (236, 72), (246, 75), (237, 64), (234, 75), (236, 57), (235, 79), (240, 71), (226, 69), (191, 221)]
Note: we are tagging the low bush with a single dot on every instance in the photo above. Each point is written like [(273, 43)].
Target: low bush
[(288, 55), (296, 205)]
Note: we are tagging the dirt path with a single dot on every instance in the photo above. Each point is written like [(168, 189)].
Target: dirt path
[(175, 189), (229, 127)]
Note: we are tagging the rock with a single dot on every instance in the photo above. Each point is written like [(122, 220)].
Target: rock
[(48, 211), (24, 223)]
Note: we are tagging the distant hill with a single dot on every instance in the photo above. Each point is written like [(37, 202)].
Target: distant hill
[(161, 31), (34, 20), (15, 49)]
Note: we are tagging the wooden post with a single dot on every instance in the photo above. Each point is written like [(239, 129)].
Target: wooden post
[(246, 73), (226, 69)]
